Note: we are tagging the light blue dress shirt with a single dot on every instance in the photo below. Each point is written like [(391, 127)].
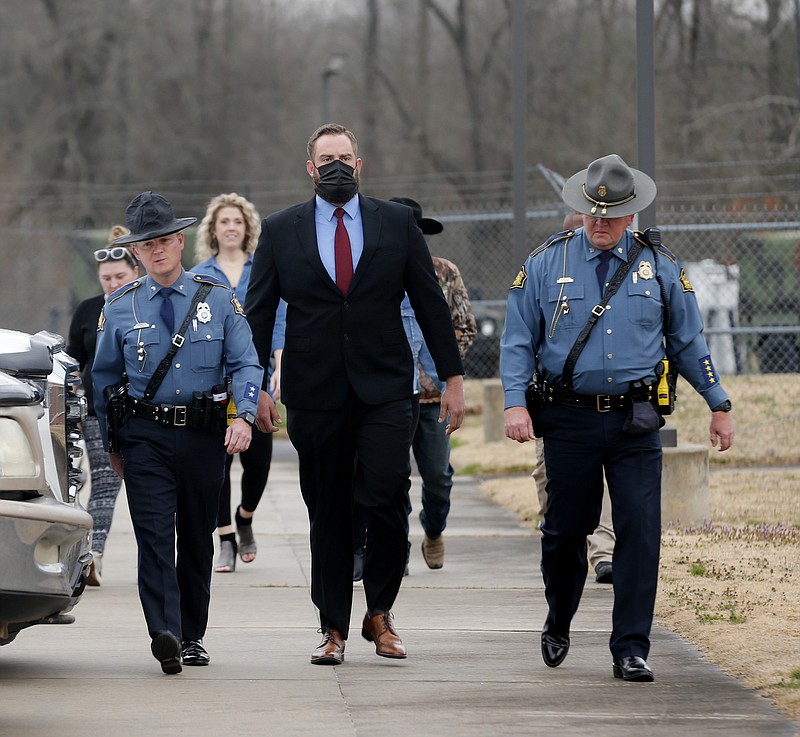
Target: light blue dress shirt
[(326, 231)]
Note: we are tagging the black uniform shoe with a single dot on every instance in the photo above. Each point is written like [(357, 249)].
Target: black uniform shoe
[(633, 669), (554, 649), (604, 573), (193, 653), (167, 650)]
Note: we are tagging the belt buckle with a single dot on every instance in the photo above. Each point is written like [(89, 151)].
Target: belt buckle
[(179, 419), (603, 402)]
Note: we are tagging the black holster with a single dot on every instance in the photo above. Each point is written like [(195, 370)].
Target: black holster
[(534, 400), (118, 407), (642, 416)]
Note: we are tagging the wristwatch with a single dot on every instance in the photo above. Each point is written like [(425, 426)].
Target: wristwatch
[(250, 418), (726, 406)]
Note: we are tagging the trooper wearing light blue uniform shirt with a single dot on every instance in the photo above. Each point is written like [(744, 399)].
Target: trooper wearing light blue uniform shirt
[(601, 420), (171, 447), (133, 323)]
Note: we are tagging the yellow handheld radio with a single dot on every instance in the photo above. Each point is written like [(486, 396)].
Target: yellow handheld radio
[(230, 409), (665, 391)]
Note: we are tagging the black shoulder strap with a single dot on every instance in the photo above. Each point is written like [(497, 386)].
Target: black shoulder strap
[(177, 342), (597, 311)]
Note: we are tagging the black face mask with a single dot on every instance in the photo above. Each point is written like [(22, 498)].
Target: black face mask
[(337, 182)]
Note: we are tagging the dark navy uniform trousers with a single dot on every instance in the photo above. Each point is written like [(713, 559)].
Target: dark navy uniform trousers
[(173, 478), (579, 443)]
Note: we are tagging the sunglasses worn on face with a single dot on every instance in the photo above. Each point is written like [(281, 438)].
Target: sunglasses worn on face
[(117, 253)]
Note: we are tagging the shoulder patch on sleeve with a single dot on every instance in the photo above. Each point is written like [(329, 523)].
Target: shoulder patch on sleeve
[(207, 279), (114, 296), (237, 305), (101, 320), (520, 279), (686, 285)]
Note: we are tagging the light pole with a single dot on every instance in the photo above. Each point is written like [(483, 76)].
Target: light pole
[(519, 83), (645, 101), (332, 68)]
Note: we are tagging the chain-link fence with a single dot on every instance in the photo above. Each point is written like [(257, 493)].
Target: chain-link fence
[(743, 264)]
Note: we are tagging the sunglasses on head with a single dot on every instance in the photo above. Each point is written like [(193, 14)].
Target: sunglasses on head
[(117, 253)]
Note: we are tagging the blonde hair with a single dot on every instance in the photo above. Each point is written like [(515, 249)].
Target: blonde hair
[(204, 245), (117, 231)]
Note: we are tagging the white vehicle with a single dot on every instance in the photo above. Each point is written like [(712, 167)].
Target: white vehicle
[(44, 531)]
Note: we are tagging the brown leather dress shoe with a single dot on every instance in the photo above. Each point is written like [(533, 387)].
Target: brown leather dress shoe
[(331, 650), (380, 630)]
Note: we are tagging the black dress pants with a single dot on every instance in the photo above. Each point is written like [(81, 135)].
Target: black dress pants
[(357, 453)]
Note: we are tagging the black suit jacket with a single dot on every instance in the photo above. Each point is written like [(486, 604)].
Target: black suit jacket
[(335, 341)]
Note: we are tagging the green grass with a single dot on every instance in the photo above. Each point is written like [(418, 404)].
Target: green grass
[(698, 569)]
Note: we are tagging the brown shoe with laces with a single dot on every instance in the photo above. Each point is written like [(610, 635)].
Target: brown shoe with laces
[(380, 630), (331, 650)]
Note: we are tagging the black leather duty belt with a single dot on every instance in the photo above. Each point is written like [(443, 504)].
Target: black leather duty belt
[(597, 402), (167, 415)]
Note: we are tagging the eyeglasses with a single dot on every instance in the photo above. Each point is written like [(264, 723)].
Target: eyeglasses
[(118, 253)]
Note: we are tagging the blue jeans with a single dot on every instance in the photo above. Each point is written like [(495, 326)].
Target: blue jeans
[(432, 453)]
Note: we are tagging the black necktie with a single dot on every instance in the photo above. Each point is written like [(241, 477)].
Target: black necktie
[(167, 312), (602, 268)]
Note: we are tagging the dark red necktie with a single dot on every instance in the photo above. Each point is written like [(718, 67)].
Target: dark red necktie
[(342, 254)]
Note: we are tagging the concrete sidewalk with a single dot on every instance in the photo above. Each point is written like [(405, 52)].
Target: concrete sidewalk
[(472, 631)]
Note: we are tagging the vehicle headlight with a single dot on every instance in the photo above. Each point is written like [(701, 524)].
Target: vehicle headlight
[(16, 454)]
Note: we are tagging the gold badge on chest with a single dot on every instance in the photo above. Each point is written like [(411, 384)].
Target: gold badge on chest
[(645, 270)]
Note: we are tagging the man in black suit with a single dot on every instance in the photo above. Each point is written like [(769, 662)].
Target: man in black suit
[(342, 262)]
